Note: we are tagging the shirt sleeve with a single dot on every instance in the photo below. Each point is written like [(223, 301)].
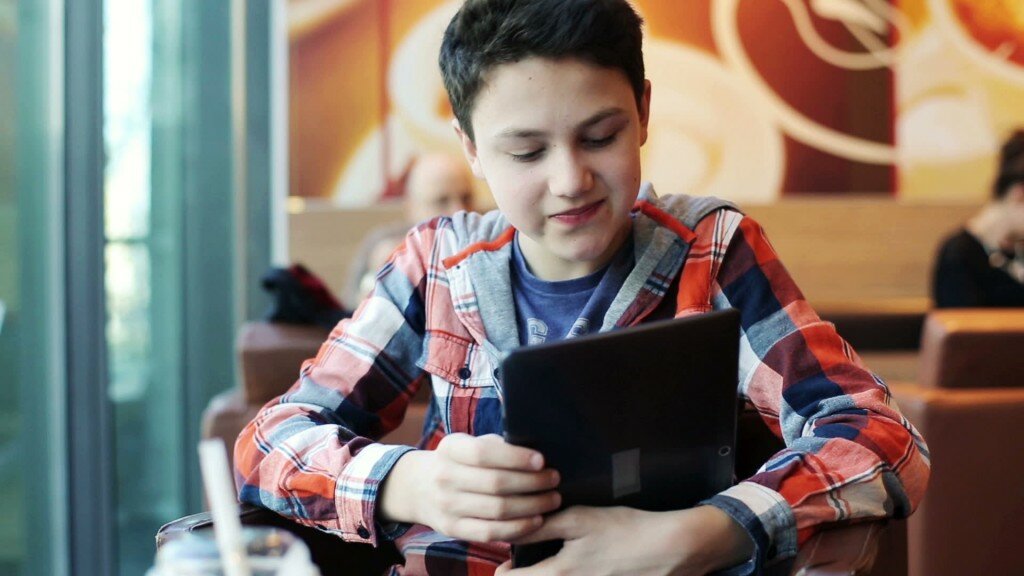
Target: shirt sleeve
[(850, 454), (311, 454)]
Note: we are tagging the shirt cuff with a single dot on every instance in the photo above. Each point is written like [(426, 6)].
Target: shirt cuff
[(356, 493), (767, 518)]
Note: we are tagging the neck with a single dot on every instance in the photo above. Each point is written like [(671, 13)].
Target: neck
[(548, 267)]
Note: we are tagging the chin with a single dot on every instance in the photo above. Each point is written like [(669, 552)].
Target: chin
[(584, 255)]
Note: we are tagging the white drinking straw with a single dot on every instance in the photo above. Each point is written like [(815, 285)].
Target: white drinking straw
[(213, 461)]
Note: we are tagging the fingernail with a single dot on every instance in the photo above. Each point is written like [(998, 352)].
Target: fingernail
[(536, 461), (554, 478)]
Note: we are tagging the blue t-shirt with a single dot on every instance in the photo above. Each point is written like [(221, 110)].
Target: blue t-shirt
[(567, 308)]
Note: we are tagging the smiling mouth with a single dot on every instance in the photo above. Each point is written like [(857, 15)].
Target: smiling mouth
[(578, 211), (578, 216)]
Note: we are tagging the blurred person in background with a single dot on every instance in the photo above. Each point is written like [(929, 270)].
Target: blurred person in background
[(437, 184), (983, 263)]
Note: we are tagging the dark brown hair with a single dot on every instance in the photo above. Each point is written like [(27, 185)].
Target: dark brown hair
[(1011, 164), (487, 33)]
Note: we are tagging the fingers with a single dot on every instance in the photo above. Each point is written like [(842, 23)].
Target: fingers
[(484, 489), (479, 530), (489, 507), (490, 451), (481, 518), (497, 481)]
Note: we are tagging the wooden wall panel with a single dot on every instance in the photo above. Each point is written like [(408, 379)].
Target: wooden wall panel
[(845, 254)]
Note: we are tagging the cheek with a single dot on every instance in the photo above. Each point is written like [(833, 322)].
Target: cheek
[(624, 160), (517, 204), (627, 171), (515, 189), (508, 199)]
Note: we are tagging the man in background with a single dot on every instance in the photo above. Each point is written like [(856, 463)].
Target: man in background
[(437, 184)]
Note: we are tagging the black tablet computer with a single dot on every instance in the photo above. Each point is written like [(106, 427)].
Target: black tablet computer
[(642, 417)]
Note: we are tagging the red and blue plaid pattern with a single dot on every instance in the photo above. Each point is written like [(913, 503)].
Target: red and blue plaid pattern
[(310, 454)]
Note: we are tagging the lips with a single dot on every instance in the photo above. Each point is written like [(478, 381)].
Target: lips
[(578, 215)]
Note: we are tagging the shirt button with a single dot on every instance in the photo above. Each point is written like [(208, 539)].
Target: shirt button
[(465, 372), (363, 532)]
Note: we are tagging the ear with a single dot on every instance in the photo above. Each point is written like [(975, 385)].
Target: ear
[(468, 149), (645, 111)]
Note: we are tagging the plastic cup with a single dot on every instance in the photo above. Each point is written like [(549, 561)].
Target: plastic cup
[(270, 551)]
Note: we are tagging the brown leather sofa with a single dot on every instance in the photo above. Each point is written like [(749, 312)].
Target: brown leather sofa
[(270, 356), (968, 402)]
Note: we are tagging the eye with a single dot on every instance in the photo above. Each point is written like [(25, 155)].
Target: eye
[(600, 142), (528, 156)]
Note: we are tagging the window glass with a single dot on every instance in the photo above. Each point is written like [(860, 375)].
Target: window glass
[(32, 535), (143, 267), (11, 486)]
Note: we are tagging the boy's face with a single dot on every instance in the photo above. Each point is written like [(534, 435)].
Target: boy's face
[(558, 142)]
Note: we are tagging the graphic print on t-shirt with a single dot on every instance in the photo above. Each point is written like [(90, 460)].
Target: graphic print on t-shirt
[(537, 330), (553, 310), (579, 328)]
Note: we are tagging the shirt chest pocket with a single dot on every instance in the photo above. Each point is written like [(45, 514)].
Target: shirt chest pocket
[(464, 383)]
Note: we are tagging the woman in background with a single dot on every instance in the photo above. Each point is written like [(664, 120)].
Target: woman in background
[(983, 263)]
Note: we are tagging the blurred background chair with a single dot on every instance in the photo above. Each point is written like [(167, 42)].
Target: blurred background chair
[(270, 355), (968, 402)]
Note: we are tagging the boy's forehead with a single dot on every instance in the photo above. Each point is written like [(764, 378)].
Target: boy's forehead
[(572, 66), (518, 94)]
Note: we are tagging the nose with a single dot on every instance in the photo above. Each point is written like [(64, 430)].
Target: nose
[(570, 176)]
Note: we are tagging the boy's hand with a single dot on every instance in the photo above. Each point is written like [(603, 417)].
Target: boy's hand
[(629, 541), (472, 488)]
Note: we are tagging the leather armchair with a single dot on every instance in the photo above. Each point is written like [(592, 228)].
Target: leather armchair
[(969, 404), (270, 356)]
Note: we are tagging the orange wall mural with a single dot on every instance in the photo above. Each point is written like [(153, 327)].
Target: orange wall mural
[(960, 90), (752, 99)]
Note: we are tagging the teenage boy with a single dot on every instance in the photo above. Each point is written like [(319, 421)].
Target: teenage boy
[(551, 106)]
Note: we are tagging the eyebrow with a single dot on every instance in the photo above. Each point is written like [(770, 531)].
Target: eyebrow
[(596, 118)]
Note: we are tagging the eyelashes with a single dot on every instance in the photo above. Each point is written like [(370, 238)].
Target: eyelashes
[(595, 143), (527, 157), (588, 143)]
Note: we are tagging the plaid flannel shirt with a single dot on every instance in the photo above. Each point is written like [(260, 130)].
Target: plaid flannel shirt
[(442, 315)]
